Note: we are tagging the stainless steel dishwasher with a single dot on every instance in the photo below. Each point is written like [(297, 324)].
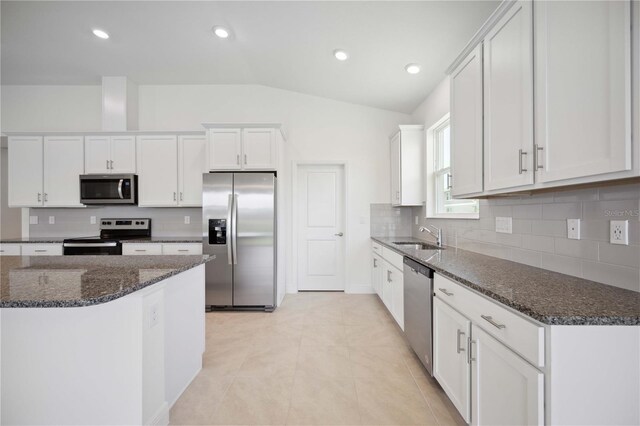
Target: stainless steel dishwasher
[(418, 308)]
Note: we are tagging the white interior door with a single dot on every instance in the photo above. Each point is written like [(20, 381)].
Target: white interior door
[(321, 239)]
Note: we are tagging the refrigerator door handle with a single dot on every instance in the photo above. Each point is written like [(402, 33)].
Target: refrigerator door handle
[(234, 229), (230, 226)]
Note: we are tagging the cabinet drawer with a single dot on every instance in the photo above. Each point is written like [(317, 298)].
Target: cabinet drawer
[(393, 258), (42, 249), (188, 248), (141, 249), (376, 247), (515, 331), (9, 249)]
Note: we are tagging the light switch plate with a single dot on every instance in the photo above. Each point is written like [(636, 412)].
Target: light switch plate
[(417, 220), (92, 220), (619, 232), (187, 220), (573, 229), (504, 225), (52, 220), (33, 220)]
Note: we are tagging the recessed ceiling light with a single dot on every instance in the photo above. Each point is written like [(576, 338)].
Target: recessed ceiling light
[(412, 68), (221, 32), (100, 34), (340, 55)]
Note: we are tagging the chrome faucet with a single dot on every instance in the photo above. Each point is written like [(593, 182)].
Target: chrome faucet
[(435, 232)]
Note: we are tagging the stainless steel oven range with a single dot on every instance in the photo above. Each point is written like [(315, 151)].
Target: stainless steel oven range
[(112, 232)]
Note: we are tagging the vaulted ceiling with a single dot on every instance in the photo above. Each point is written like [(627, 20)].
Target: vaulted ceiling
[(287, 45)]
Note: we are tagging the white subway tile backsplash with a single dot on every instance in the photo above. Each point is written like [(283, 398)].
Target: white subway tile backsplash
[(528, 257), (531, 211), (562, 264), (619, 276), (552, 228), (576, 195), (608, 210), (620, 192), (538, 243), (561, 211), (619, 255), (583, 249)]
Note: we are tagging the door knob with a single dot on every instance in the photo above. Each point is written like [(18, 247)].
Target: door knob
[(339, 234)]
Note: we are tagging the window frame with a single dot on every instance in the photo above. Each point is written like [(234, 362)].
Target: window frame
[(433, 177)]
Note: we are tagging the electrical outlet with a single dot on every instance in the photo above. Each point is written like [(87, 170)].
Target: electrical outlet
[(619, 232), (33, 220), (504, 225), (154, 316), (92, 220), (187, 220), (573, 229), (52, 220), (416, 220)]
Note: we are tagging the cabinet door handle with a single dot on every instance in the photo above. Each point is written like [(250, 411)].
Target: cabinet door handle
[(536, 159), (245, 159), (520, 166), (175, 197), (111, 164), (458, 348), (39, 197), (470, 357), (448, 180), (183, 250), (491, 321), (181, 196), (140, 250), (238, 159), (388, 276), (375, 263), (107, 164), (40, 251), (46, 197), (444, 290)]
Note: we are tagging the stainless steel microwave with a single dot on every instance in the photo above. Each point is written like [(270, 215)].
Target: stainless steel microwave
[(108, 189)]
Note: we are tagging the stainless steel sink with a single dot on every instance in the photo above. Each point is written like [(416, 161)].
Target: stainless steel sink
[(417, 246)]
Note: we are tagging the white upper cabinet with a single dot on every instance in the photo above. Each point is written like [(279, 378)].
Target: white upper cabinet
[(191, 166), (157, 171), (583, 88), (259, 150), (110, 154), (123, 154), (508, 100), (25, 171), (466, 125), (406, 148), (63, 165), (225, 149), (506, 389)]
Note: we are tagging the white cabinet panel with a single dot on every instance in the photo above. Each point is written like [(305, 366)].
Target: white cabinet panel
[(9, 249), (181, 248), (395, 170), (123, 154), (450, 359), (25, 171), (506, 389), (97, 153), (583, 88), (466, 125), (508, 100), (376, 274), (191, 166), (63, 165), (141, 249), (397, 298), (387, 288), (259, 149), (157, 171), (225, 149), (41, 249)]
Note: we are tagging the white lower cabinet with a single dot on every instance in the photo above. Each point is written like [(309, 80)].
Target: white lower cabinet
[(9, 249), (41, 249), (393, 291), (376, 274), (181, 249), (141, 249), (506, 390), (451, 366)]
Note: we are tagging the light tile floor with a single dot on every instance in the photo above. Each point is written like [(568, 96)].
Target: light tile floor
[(320, 358)]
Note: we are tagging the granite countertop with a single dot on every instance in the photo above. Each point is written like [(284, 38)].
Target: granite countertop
[(33, 240), (72, 281), (59, 240), (549, 297)]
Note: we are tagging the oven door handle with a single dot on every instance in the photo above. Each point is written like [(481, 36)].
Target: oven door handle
[(110, 244), (120, 189)]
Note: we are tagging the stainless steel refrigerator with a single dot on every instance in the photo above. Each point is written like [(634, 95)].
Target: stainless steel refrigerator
[(239, 229)]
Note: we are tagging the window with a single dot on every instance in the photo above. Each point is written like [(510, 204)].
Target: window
[(439, 200)]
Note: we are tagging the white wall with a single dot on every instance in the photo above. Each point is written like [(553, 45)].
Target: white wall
[(435, 106), (317, 129)]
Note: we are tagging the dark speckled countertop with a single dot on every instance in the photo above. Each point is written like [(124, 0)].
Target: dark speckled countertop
[(549, 297), (72, 281)]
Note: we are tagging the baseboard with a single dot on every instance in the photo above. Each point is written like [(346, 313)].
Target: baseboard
[(360, 289), (185, 388), (161, 418)]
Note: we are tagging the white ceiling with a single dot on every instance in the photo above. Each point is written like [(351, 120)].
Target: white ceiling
[(287, 45)]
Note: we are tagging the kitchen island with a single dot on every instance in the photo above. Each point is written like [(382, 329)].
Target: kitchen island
[(98, 339)]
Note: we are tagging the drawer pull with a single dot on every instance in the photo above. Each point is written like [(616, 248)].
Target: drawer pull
[(444, 290), (492, 322), (140, 250), (183, 250), (388, 276), (40, 251), (458, 348)]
